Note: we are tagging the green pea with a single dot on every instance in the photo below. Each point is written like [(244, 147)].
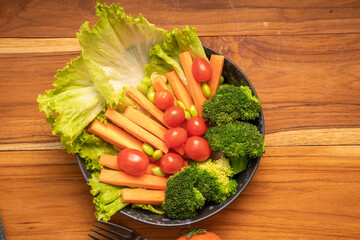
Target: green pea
[(157, 154), (187, 115), (147, 81), (148, 149), (221, 79), (180, 104), (193, 111), (151, 89), (222, 86), (206, 90), (158, 171), (150, 94), (142, 88)]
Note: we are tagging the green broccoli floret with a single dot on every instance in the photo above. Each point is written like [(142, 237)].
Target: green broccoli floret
[(188, 190), (182, 199), (239, 141), (215, 181), (231, 103)]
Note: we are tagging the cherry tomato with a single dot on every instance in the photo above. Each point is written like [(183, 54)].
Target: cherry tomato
[(199, 234), (201, 69), (171, 163), (197, 148), (163, 99), (202, 236), (133, 161), (174, 116), (175, 137), (196, 126)]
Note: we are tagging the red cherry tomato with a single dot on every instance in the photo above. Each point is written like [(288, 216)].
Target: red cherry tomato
[(163, 99), (201, 69), (133, 161), (197, 148), (174, 116), (175, 137), (201, 236), (196, 126), (171, 163)]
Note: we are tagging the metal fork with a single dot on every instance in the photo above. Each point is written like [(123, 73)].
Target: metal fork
[(126, 233)]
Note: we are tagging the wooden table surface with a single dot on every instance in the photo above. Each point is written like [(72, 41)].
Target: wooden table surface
[(303, 58)]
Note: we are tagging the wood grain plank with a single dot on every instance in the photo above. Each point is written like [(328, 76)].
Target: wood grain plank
[(309, 137), (35, 45), (31, 146), (40, 191), (305, 192), (36, 18), (321, 73), (23, 78)]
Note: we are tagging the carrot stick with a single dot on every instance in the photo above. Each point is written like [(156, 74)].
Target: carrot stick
[(121, 178), (216, 63), (149, 124), (110, 161), (145, 122), (145, 103), (142, 196), (135, 130), (195, 86), (158, 83), (179, 89), (114, 135)]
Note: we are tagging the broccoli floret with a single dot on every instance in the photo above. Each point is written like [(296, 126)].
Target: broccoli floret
[(231, 103), (188, 190), (182, 199), (215, 181), (239, 141)]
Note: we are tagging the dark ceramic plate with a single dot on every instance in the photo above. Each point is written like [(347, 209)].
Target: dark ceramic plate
[(232, 75)]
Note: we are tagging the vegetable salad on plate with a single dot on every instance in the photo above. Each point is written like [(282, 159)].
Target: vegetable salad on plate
[(145, 108)]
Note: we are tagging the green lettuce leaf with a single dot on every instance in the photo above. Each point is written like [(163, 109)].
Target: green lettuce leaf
[(117, 48), (165, 55), (73, 104), (152, 208), (188, 40), (90, 147), (107, 198)]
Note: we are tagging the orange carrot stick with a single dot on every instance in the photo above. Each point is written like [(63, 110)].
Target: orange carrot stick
[(142, 196), (179, 89), (145, 122), (135, 130), (110, 161), (114, 135), (145, 103), (195, 86), (216, 63), (121, 178), (149, 124)]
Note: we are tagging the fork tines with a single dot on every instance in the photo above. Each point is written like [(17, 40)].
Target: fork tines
[(126, 234)]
